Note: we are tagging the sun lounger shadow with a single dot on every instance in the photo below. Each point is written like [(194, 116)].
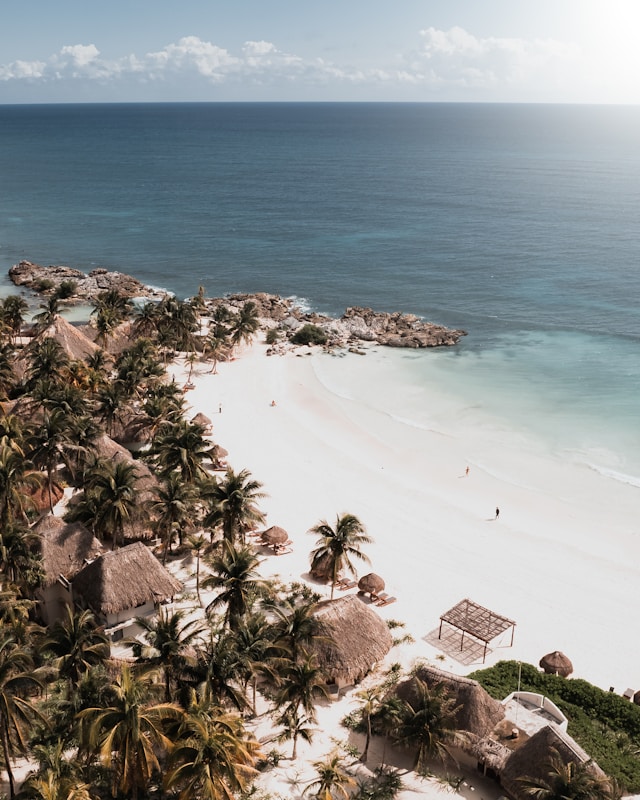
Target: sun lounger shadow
[(345, 585)]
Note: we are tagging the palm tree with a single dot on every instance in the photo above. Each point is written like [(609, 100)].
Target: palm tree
[(169, 638), (182, 447), (111, 308), (78, 645), (8, 378), (332, 781), (12, 311), (16, 478), (296, 627), (197, 545), (112, 485), (300, 683), (17, 682), (254, 643), (233, 502), (571, 781), (338, 545), (216, 344), (50, 310), (174, 508), (57, 777), (19, 559), (128, 735), (213, 757), (295, 726), (371, 700), (245, 323), (427, 722), (235, 573), (49, 444), (217, 671)]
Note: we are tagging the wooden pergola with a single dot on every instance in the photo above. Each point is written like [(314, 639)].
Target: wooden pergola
[(477, 621)]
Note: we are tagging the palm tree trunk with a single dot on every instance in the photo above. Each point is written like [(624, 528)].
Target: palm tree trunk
[(7, 762), (294, 754)]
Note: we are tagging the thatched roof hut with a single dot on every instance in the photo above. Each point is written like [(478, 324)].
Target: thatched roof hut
[(120, 338), (274, 535), (556, 663), (531, 760), (74, 343), (106, 447), (371, 583), (478, 713), (124, 579), (351, 639), (65, 547)]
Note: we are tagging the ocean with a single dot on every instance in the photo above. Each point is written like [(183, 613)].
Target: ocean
[(517, 223)]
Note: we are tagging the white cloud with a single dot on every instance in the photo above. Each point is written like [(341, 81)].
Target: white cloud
[(21, 70), (80, 54)]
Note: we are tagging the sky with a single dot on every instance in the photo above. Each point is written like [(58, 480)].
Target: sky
[(547, 51)]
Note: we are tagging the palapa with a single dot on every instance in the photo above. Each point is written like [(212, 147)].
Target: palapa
[(123, 579), (350, 639), (39, 497), (74, 343), (204, 421), (371, 583), (477, 712), (65, 547), (556, 663), (532, 760), (274, 536)]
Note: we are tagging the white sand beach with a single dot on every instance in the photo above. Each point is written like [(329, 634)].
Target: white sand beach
[(561, 560)]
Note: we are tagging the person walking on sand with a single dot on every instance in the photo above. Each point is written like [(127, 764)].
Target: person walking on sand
[(497, 512), (466, 472)]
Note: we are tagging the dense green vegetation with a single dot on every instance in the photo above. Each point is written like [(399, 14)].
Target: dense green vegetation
[(605, 725), (309, 334)]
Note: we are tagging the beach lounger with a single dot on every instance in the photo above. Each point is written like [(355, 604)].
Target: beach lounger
[(386, 601), (347, 585), (378, 598)]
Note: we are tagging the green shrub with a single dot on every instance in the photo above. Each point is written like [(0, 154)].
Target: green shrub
[(605, 725), (66, 289), (43, 285), (272, 336), (309, 334)]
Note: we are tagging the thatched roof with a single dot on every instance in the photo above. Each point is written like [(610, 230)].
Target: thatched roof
[(492, 754), (274, 535), (105, 447), (478, 712), (125, 578), (321, 567), (531, 760), (371, 583), (65, 547), (556, 663), (351, 639), (120, 338), (75, 344)]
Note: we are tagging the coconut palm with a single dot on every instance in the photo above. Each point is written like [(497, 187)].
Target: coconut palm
[(300, 683), (333, 780), (197, 545), (169, 640), (111, 400), (370, 702), (235, 574), (16, 478), (340, 544), (78, 645), (181, 447), (571, 781), (57, 777), (8, 378), (217, 345), (49, 444), (213, 757), (50, 311), (427, 722), (145, 320), (112, 490), (12, 312), (217, 671), (174, 508), (245, 323), (233, 504), (111, 309), (17, 683), (19, 559), (295, 627), (254, 643), (295, 726), (128, 734)]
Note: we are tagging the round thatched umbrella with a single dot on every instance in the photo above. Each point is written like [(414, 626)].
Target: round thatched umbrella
[(371, 583), (202, 419), (274, 536), (556, 663)]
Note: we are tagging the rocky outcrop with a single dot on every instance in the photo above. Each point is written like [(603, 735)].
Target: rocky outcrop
[(356, 325), (44, 280)]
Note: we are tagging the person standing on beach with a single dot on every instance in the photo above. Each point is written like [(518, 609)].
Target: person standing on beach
[(497, 512), (466, 472)]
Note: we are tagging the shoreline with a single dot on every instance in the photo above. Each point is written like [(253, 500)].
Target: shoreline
[(557, 561)]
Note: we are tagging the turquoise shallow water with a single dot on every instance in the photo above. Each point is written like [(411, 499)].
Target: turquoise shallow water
[(518, 223)]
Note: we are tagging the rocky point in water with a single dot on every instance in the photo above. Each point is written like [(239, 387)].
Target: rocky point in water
[(356, 325)]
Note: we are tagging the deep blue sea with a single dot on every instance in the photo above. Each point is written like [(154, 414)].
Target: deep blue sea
[(518, 223)]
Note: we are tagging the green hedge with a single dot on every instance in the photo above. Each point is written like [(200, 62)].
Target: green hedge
[(604, 724)]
